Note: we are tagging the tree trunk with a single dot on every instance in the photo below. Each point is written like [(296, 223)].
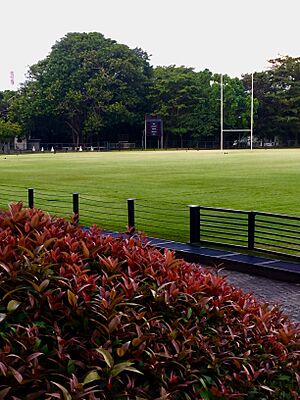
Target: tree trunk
[(166, 140), (75, 128)]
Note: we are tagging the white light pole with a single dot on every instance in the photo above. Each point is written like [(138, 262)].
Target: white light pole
[(221, 116), (145, 139), (251, 125)]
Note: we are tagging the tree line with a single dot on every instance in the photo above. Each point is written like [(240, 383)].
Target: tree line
[(91, 89)]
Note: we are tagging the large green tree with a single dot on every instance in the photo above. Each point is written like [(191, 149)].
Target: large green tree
[(189, 102), (88, 83), (8, 130), (278, 94), (6, 98), (237, 109), (92, 88), (173, 97), (285, 86)]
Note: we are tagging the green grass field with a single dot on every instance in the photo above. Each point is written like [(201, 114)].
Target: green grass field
[(163, 182)]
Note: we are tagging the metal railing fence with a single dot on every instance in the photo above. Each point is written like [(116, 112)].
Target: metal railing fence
[(249, 230)]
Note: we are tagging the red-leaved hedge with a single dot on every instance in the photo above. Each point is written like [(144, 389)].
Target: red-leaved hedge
[(88, 316)]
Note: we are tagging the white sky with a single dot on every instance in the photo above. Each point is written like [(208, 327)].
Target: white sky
[(228, 36)]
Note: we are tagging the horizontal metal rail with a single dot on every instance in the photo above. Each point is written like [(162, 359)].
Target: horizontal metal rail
[(250, 230), (254, 230)]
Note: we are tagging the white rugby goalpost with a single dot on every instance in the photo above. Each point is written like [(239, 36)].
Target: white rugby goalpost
[(222, 117)]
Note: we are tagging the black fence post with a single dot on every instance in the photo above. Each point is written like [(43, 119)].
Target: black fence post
[(130, 209), (76, 207), (30, 198), (251, 230), (194, 223)]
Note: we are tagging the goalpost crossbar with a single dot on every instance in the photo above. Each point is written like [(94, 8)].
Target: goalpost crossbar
[(236, 130)]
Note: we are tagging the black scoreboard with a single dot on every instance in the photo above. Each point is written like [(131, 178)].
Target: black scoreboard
[(153, 125)]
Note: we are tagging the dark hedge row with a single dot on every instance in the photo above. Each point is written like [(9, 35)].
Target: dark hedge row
[(88, 316)]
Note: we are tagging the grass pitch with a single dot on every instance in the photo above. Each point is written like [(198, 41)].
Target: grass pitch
[(163, 182)]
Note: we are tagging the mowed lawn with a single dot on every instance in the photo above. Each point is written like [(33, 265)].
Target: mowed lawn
[(163, 182)]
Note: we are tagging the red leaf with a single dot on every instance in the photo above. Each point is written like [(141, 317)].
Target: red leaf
[(16, 374)]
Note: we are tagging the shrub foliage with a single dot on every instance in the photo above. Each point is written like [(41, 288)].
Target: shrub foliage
[(88, 316)]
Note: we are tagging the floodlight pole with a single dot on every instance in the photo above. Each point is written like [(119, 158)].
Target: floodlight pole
[(252, 101), (222, 116)]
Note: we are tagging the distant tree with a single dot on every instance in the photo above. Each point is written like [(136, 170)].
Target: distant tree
[(236, 107), (9, 130), (182, 97), (6, 98), (204, 120), (88, 82), (285, 84), (189, 102), (278, 94), (91, 87), (173, 96), (264, 126)]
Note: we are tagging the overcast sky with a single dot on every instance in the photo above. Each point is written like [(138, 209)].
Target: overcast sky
[(225, 36)]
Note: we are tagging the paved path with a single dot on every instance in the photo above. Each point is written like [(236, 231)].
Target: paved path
[(285, 294)]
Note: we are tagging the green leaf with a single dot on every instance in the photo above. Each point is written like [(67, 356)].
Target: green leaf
[(124, 366), (107, 356), (203, 383), (45, 349), (284, 378), (12, 305), (65, 392), (71, 366), (37, 344), (91, 377), (40, 324), (133, 369), (205, 395)]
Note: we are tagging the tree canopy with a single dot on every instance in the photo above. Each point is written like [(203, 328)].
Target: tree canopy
[(189, 101), (278, 94), (87, 82), (91, 88), (9, 130)]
